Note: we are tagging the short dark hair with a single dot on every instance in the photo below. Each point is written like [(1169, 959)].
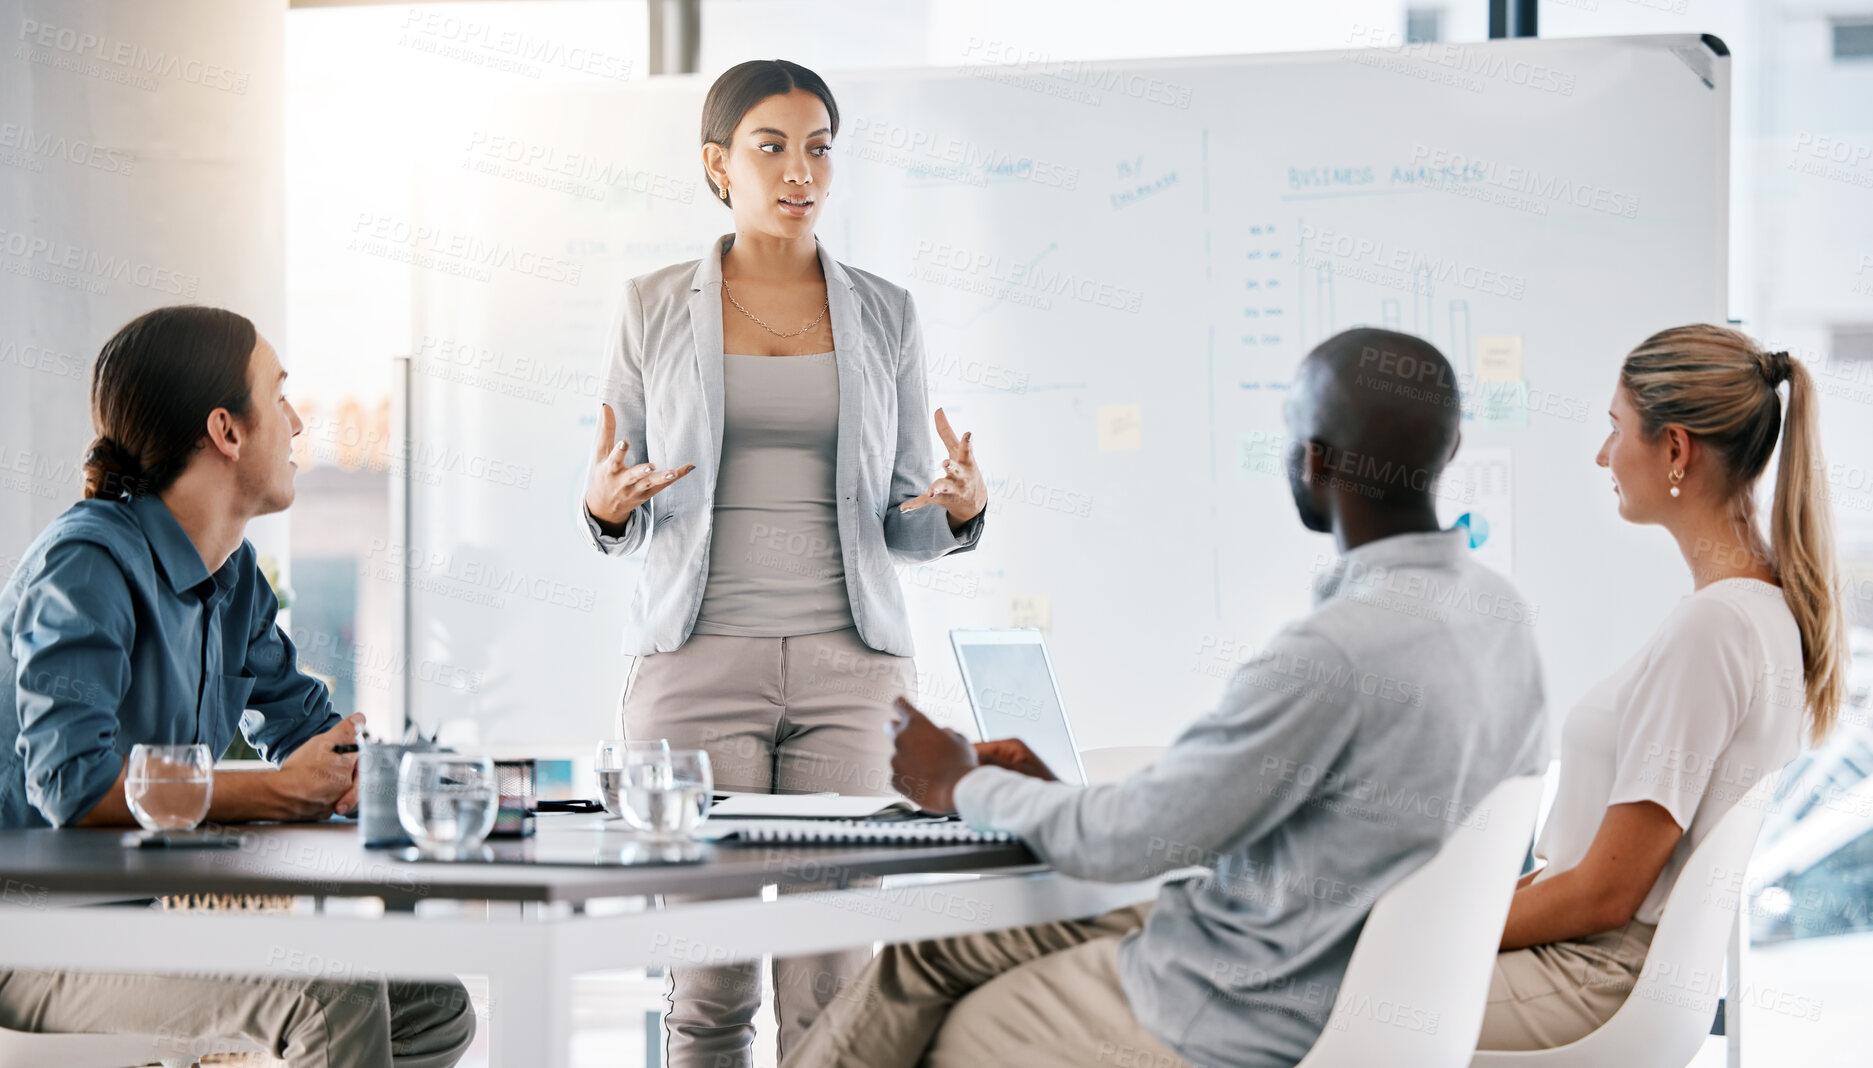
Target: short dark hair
[(152, 388), (744, 85)]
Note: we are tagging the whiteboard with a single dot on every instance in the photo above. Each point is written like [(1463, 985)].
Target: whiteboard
[(1118, 267)]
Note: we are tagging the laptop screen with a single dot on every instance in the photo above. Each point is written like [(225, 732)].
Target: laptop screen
[(1014, 697)]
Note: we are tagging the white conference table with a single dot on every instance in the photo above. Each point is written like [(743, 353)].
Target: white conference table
[(529, 927)]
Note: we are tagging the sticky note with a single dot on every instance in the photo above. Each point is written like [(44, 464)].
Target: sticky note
[(1261, 454), (1029, 610), (1499, 358), (1503, 404), (1120, 427)]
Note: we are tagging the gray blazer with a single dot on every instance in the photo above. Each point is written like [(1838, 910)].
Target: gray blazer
[(663, 378)]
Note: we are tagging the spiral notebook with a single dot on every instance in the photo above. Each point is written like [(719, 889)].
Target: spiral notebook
[(902, 832), (827, 806)]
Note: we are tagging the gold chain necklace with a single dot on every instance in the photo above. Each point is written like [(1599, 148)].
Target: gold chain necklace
[(763, 325)]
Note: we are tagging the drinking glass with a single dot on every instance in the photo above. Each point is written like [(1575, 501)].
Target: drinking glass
[(446, 801), (612, 751), (665, 796), (169, 786), (613, 754), (691, 768)]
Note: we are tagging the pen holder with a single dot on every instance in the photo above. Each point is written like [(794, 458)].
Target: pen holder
[(378, 826)]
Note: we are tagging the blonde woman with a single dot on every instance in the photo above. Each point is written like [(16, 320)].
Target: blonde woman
[(764, 443), (1719, 697)]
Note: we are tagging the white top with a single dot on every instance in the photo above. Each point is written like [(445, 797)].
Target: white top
[(1712, 704)]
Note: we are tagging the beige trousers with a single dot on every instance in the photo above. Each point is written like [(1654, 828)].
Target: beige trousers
[(1547, 996), (1045, 996), (308, 1023), (782, 715)]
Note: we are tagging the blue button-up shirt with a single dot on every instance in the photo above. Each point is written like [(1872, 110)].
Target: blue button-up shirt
[(113, 633)]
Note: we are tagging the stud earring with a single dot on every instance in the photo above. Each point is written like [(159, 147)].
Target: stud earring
[(1676, 477)]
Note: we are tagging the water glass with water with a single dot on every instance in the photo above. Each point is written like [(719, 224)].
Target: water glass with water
[(612, 757), (691, 769), (665, 796), (446, 801), (168, 787)]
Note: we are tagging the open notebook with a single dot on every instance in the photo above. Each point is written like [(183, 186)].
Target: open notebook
[(834, 818), (808, 831)]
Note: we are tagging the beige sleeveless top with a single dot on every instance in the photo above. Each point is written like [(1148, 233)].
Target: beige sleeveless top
[(775, 566)]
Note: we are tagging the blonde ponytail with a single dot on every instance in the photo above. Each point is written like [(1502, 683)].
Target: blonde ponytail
[(1801, 536)]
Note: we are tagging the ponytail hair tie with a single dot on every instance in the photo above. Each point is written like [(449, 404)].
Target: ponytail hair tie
[(1776, 367), (111, 472)]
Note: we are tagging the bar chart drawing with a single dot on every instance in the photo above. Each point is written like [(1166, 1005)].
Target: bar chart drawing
[(1317, 312)]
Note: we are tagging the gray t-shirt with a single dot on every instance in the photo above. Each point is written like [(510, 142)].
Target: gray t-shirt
[(775, 567), (1337, 761)]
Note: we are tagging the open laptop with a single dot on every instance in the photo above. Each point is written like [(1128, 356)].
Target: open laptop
[(1011, 688)]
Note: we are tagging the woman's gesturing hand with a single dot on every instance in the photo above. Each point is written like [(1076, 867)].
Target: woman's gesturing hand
[(613, 490), (960, 491)]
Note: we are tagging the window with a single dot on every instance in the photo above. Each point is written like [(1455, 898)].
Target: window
[(1853, 39), (1424, 25)]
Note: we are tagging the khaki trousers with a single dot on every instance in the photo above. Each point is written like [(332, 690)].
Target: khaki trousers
[(1547, 996), (308, 1023), (1045, 996), (782, 715)]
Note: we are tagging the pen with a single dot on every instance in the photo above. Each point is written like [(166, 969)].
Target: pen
[(352, 747)]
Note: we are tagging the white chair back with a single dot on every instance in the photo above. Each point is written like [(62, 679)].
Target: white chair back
[(1665, 1020), (1414, 991)]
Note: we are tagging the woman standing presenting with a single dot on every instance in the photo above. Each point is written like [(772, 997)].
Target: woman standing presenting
[(769, 627)]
